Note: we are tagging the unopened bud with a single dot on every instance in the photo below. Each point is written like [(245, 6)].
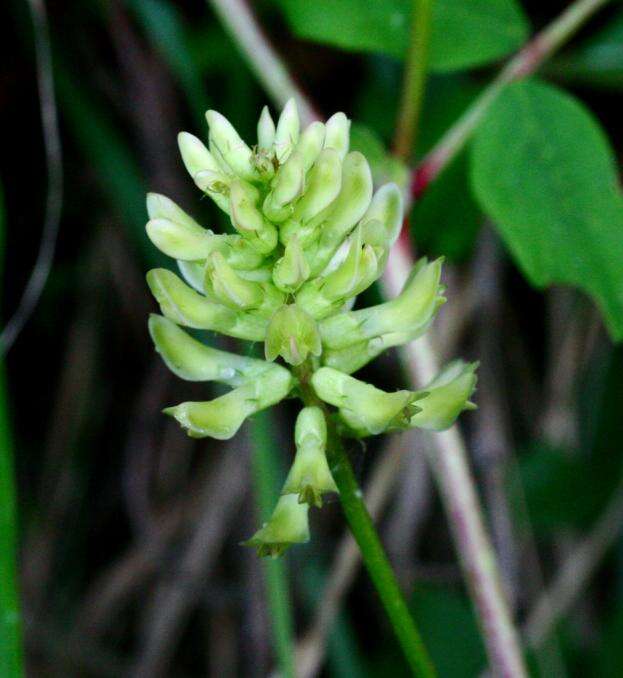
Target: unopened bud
[(409, 314), (288, 185), (228, 288), (447, 395), (191, 360), (222, 417), (265, 131), (292, 270), (310, 477), (184, 306), (230, 147), (287, 133), (288, 525), (201, 164), (338, 133), (364, 408), (248, 220), (347, 209)]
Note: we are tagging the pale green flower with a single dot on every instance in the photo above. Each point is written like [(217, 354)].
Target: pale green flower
[(310, 477), (309, 234)]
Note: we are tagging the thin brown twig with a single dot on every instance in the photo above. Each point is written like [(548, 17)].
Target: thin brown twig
[(491, 443)]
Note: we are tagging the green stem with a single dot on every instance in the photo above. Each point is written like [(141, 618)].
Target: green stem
[(266, 483), (11, 659), (365, 534), (375, 560), (414, 80)]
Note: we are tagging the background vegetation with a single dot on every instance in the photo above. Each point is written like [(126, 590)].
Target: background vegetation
[(128, 532)]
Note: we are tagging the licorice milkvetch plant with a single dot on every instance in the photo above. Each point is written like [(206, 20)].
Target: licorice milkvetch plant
[(310, 235)]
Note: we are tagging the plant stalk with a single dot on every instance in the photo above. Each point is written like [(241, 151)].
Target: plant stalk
[(11, 657), (524, 63), (375, 560), (414, 82)]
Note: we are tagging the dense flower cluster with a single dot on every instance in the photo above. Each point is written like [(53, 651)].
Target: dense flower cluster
[(310, 234)]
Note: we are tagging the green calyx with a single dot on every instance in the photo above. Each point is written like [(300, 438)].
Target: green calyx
[(309, 234)]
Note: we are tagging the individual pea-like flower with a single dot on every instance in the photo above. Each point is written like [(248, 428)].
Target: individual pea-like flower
[(308, 235)]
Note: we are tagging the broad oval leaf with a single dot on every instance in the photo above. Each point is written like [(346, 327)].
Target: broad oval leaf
[(464, 34), (543, 170)]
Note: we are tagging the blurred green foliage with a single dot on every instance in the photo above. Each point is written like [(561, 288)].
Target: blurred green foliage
[(462, 36)]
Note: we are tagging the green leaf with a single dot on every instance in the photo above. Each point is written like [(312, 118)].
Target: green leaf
[(543, 170), (464, 34), (468, 34)]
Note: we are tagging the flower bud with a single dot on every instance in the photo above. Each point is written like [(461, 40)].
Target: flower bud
[(382, 222), (364, 408), (248, 220), (230, 147), (287, 133), (161, 207), (185, 306), (338, 133), (289, 524), (407, 316), (347, 209), (222, 417), (292, 270), (310, 144), (310, 477), (200, 163), (288, 185), (265, 131), (227, 287), (351, 358), (292, 334), (237, 251), (355, 273), (178, 240), (191, 360), (193, 273), (323, 187), (446, 397), (215, 184)]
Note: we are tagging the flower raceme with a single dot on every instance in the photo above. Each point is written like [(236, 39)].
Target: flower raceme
[(308, 235)]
